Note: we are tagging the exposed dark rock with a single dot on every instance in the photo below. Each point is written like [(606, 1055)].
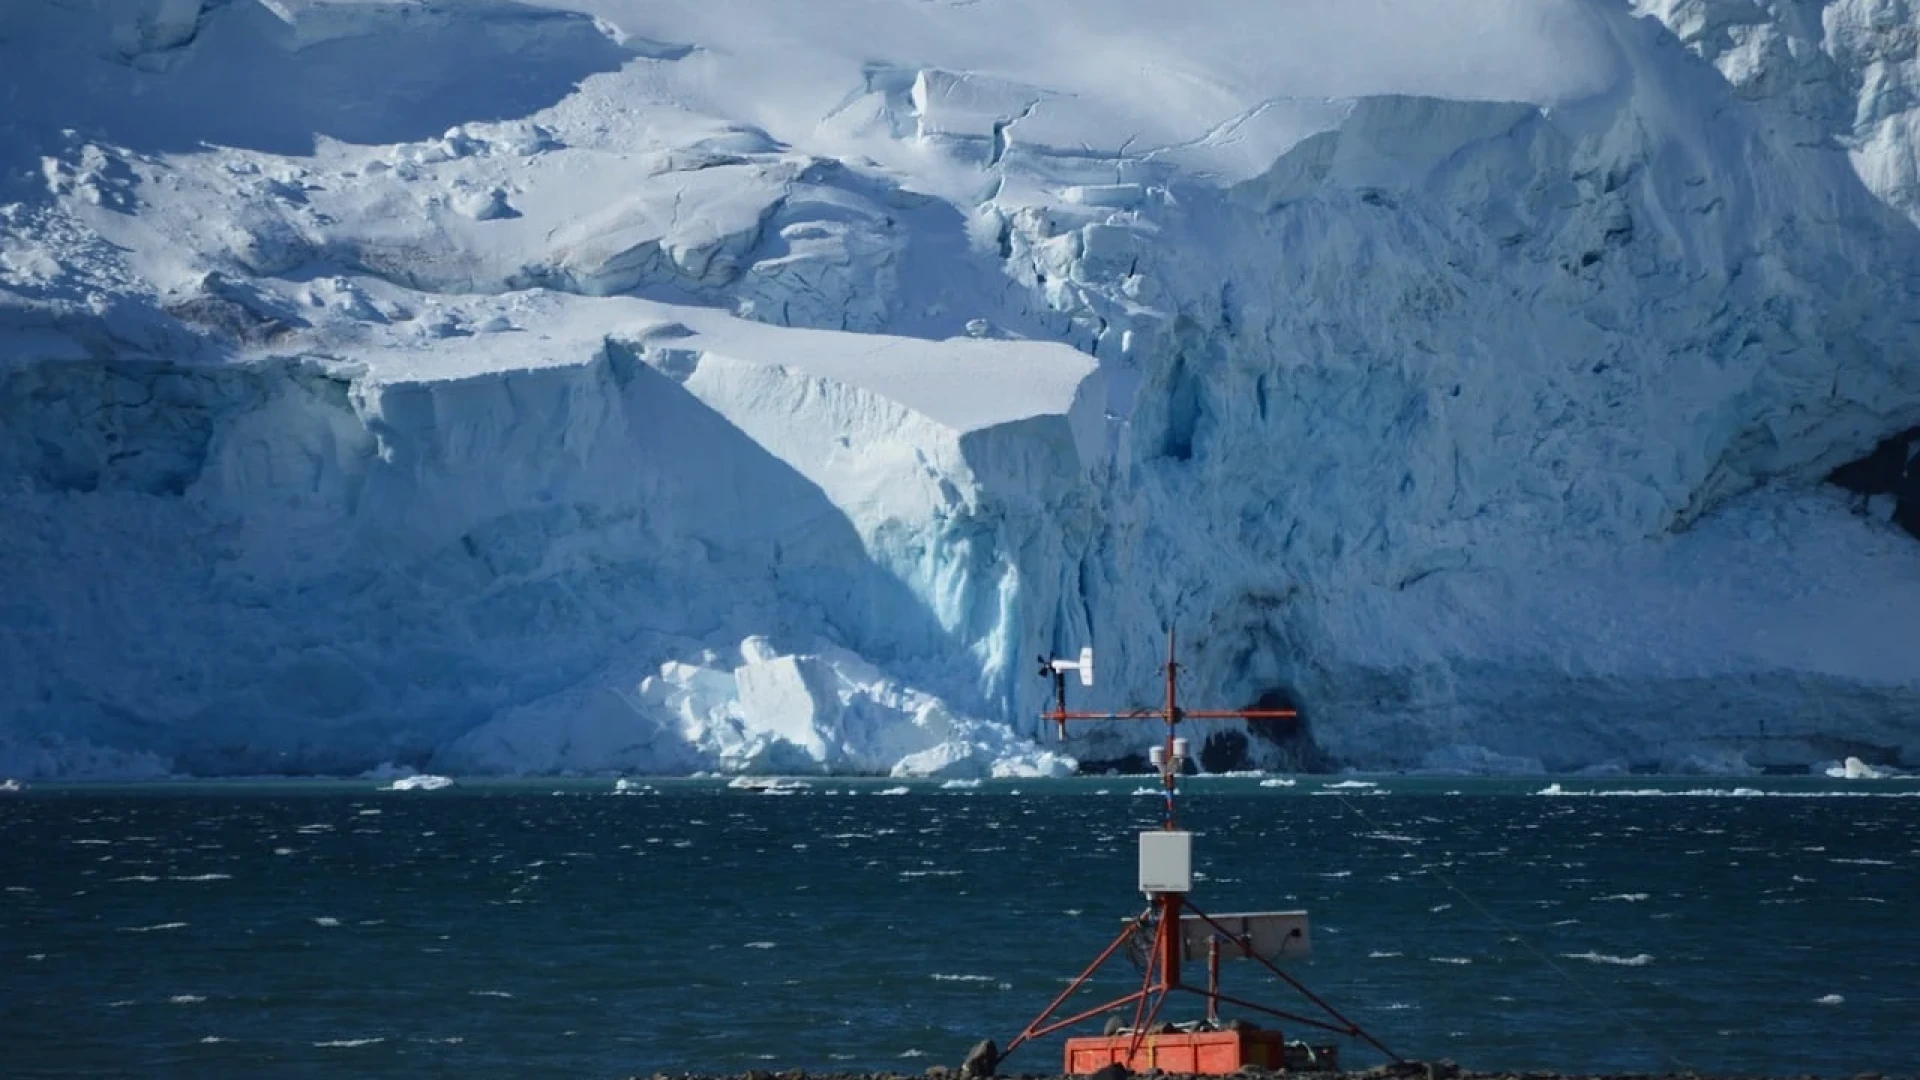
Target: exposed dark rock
[(1225, 751), (1881, 471), (983, 1061), (1893, 468), (1293, 738), (236, 310), (1125, 765)]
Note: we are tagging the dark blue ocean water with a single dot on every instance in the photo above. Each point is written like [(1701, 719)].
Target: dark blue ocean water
[(564, 929)]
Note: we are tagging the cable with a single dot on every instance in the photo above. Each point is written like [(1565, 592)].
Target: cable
[(1658, 1047)]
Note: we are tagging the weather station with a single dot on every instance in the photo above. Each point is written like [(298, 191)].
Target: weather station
[(1173, 933)]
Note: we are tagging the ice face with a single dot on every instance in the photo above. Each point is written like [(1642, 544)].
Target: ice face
[(764, 393)]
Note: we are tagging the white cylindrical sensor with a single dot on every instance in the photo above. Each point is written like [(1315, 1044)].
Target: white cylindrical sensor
[(1179, 749), (1157, 755)]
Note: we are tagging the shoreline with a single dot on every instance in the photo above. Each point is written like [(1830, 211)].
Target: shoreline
[(1407, 1070)]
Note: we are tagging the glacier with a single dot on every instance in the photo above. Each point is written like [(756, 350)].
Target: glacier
[(592, 386)]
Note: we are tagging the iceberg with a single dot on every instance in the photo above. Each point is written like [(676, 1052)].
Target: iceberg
[(743, 393)]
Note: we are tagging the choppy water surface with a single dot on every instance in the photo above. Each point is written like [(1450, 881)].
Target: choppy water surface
[(571, 930)]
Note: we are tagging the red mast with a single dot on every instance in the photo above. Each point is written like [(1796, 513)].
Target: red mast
[(1177, 927)]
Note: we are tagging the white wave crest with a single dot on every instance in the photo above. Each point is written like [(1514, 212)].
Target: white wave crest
[(1636, 960)]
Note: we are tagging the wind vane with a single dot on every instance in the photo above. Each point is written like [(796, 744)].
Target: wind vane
[(1174, 930)]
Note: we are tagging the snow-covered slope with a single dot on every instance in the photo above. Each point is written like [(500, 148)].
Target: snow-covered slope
[(599, 384)]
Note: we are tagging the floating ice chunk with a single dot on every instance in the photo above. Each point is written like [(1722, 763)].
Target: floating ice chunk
[(1855, 769), (767, 784), (892, 791), (1830, 999), (423, 782), (1279, 781)]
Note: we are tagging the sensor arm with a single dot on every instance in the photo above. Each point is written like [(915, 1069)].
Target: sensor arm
[(1169, 757)]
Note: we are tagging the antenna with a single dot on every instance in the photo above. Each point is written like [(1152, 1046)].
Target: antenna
[(1168, 934)]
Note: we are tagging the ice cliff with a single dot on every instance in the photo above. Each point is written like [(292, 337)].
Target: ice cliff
[(605, 385)]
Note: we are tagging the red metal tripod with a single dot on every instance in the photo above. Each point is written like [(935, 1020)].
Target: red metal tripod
[(1176, 927)]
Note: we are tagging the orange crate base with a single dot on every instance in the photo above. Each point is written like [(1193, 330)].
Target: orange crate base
[(1197, 1052)]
